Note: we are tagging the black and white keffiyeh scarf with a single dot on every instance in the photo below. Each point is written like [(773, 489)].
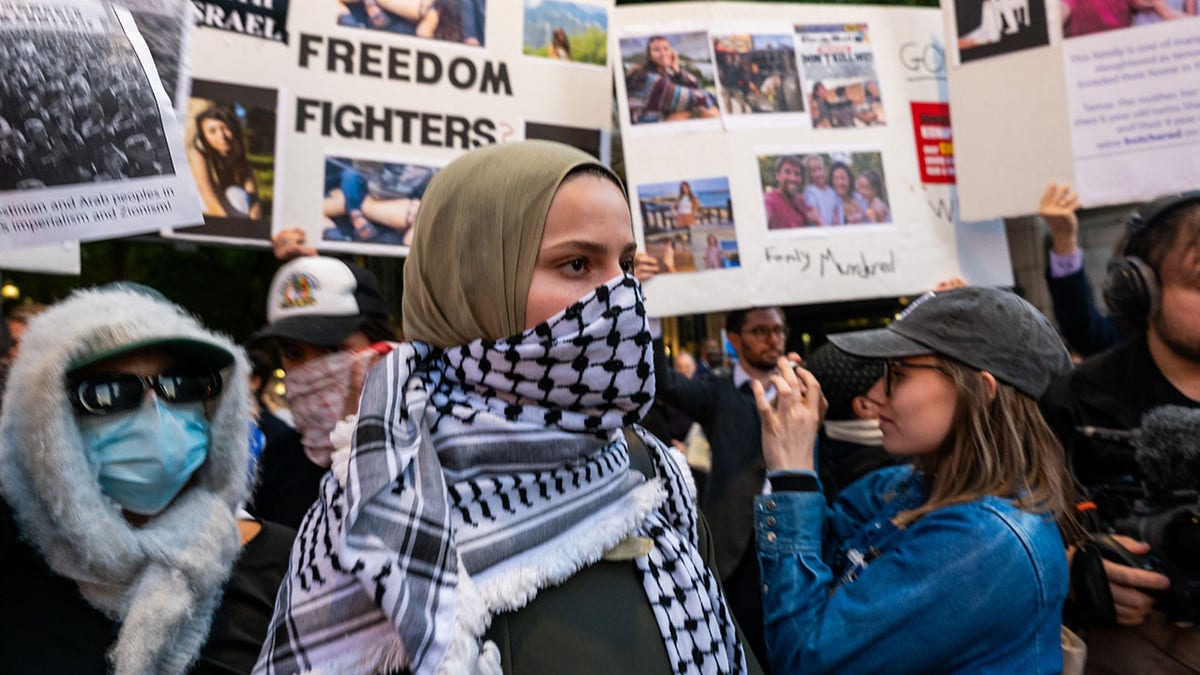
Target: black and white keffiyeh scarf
[(481, 474)]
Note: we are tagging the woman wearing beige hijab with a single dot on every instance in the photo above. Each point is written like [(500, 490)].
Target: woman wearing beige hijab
[(493, 516)]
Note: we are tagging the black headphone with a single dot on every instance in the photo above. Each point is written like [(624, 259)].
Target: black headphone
[(1131, 286)]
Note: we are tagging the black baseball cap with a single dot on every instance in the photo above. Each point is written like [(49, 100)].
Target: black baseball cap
[(321, 301), (984, 328)]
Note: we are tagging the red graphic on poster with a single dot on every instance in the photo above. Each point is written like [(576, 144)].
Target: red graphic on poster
[(935, 143)]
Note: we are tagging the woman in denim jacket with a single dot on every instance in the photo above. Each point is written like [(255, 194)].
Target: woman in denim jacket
[(952, 564)]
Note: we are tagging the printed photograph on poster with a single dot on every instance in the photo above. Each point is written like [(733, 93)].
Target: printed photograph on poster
[(688, 225), (757, 74), (993, 27), (838, 67), (566, 31), (229, 133), (823, 190), (459, 21), (669, 78), (267, 20), (372, 202), (165, 25), (89, 145), (75, 105), (1088, 17)]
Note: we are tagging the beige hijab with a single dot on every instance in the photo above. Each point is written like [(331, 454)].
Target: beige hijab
[(477, 237)]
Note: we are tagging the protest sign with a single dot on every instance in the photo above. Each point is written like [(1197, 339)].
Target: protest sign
[(60, 258), (771, 153), (370, 99), (89, 143), (1111, 106)]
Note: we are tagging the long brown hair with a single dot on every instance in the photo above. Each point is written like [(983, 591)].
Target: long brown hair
[(1003, 448)]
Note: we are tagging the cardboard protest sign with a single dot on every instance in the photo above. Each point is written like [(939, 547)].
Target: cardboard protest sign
[(771, 154), (89, 142), (368, 100), (1111, 106)]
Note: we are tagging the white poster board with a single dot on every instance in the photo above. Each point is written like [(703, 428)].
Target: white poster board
[(85, 153), (369, 100), (61, 258), (1109, 104), (748, 106)]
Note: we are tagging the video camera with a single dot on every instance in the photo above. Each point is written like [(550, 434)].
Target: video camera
[(1163, 509)]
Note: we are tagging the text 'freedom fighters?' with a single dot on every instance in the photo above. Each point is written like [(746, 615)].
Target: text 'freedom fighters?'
[(399, 64)]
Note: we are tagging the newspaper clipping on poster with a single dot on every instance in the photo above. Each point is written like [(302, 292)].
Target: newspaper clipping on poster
[(1115, 92), (370, 100), (771, 152), (89, 143)]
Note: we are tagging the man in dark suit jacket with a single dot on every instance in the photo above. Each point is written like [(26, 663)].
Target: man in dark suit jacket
[(724, 407)]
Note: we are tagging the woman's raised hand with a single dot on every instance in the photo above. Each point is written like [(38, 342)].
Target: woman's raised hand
[(790, 424)]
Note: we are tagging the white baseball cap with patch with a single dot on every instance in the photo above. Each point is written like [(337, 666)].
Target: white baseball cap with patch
[(321, 301)]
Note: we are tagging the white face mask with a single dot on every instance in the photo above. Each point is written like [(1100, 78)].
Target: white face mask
[(146, 457), (316, 395)]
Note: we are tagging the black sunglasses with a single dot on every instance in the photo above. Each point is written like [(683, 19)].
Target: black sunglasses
[(890, 374), (107, 393)]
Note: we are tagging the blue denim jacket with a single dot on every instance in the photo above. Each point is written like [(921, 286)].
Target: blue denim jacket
[(975, 587)]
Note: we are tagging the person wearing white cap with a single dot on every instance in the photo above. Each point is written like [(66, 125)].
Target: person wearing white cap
[(328, 320)]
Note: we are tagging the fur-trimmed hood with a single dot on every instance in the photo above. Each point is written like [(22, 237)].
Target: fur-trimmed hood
[(162, 581)]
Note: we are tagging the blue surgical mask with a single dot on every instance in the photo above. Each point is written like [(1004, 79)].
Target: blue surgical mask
[(147, 456)]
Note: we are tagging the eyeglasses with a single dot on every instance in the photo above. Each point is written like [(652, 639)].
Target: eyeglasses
[(891, 376), (765, 332), (107, 393)]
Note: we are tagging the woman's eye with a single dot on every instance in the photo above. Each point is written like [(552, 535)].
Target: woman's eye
[(576, 265), (627, 266)]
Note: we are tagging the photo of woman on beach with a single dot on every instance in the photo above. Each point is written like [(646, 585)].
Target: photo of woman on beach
[(666, 84), (686, 206), (688, 225)]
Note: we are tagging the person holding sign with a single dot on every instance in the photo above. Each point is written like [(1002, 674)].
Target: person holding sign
[(954, 563), (494, 510), (661, 90)]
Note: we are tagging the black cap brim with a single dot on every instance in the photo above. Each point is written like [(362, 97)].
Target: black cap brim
[(322, 331), (196, 353), (878, 343)]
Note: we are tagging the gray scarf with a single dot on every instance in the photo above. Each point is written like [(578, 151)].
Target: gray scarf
[(162, 581)]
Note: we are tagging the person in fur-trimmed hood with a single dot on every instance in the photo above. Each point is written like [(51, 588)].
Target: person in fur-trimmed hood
[(123, 457)]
